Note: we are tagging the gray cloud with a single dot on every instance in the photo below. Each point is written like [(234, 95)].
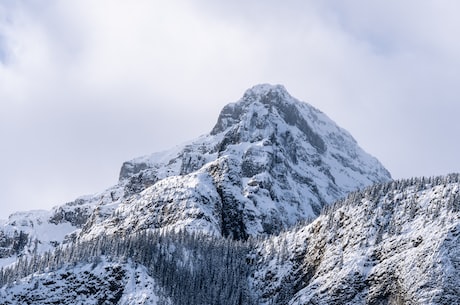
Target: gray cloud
[(86, 85)]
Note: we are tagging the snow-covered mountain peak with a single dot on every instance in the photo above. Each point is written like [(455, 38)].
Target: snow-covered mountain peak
[(270, 161), (258, 92), (264, 88), (261, 102), (269, 112)]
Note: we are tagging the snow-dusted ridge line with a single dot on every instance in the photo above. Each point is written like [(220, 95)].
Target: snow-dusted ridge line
[(397, 242)]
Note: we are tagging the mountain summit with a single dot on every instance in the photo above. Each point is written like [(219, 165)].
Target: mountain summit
[(269, 162), (261, 111)]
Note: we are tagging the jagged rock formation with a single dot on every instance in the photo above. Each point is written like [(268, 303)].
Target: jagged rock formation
[(269, 162)]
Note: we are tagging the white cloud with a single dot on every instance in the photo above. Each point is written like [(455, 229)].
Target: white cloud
[(85, 84)]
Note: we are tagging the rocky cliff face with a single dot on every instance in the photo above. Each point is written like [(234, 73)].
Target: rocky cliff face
[(269, 162), (395, 243)]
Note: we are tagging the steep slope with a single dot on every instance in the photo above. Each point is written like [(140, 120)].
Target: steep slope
[(269, 162), (394, 243)]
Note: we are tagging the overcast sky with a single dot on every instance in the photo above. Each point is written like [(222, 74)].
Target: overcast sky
[(86, 85)]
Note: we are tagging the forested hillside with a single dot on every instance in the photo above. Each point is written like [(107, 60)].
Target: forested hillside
[(392, 243)]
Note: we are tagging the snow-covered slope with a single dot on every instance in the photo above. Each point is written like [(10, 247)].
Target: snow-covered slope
[(269, 162), (148, 268), (396, 243), (26, 233)]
